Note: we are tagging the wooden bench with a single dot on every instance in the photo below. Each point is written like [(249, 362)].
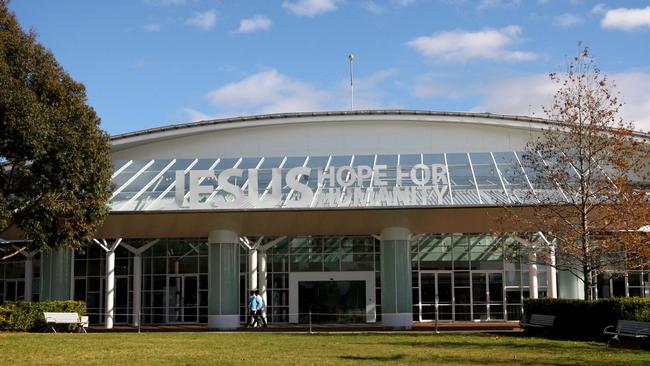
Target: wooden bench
[(628, 329), (539, 321), (66, 318)]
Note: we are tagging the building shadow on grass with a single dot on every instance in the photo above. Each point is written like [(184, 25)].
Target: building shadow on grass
[(373, 358)]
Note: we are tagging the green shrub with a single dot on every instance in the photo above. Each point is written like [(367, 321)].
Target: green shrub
[(580, 319), (25, 316)]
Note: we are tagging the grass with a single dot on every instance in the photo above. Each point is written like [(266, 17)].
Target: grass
[(303, 349)]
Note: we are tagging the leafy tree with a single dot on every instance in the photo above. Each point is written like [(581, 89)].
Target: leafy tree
[(55, 161), (590, 170)]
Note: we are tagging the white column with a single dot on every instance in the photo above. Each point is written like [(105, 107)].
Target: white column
[(532, 273), (137, 288), (627, 283), (252, 269), (29, 276), (551, 274), (396, 278), (261, 263), (223, 279), (110, 289)]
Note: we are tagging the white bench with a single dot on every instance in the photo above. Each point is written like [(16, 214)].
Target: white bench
[(539, 321), (628, 329), (66, 318)]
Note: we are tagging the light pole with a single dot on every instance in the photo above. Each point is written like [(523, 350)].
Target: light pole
[(351, 58)]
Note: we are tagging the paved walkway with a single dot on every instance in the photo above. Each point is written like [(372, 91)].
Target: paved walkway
[(351, 328)]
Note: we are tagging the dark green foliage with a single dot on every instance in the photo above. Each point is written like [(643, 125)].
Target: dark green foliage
[(55, 163), (25, 316), (580, 319)]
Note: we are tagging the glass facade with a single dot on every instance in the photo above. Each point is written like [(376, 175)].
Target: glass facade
[(12, 276), (316, 254), (174, 281), (470, 277), (455, 277)]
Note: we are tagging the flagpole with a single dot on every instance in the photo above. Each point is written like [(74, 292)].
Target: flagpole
[(351, 58)]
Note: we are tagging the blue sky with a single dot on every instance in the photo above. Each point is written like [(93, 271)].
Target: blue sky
[(148, 63)]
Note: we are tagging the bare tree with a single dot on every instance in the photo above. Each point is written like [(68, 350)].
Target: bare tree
[(589, 167)]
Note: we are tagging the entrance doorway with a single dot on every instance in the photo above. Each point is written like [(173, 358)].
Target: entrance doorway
[(342, 297), (487, 296), (436, 296), (182, 298), (332, 301)]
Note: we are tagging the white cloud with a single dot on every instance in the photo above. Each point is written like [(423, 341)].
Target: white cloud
[(373, 7), (437, 85), (310, 8), (488, 4), (598, 9), (402, 2), (626, 19), (635, 93), (268, 92), (521, 96), (490, 44), (138, 64), (151, 28), (368, 91), (204, 20), (567, 20), (526, 95), (192, 115), (257, 22)]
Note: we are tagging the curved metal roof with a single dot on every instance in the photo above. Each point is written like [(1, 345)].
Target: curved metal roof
[(379, 112)]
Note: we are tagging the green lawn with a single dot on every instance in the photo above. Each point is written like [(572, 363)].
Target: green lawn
[(302, 349)]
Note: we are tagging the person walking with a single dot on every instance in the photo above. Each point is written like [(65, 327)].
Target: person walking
[(252, 310), (261, 308)]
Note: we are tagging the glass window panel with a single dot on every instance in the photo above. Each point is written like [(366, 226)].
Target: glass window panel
[(249, 163), (292, 162), (461, 279), (189, 264), (364, 160), (408, 160), (434, 159), (390, 160), (513, 278), (272, 162), (136, 165)]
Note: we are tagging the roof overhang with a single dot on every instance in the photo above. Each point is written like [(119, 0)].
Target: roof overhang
[(312, 222)]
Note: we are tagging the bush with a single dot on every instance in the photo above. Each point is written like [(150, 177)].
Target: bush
[(580, 319), (25, 316)]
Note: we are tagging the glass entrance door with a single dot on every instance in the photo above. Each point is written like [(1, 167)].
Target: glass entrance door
[(436, 300), (487, 296), (182, 298), (332, 301)]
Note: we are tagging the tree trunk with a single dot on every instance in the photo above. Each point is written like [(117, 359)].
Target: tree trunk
[(588, 283)]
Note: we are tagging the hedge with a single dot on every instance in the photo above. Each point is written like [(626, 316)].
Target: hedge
[(580, 319), (25, 316)]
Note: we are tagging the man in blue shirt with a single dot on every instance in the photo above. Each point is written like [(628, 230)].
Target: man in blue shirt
[(261, 306), (253, 305)]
